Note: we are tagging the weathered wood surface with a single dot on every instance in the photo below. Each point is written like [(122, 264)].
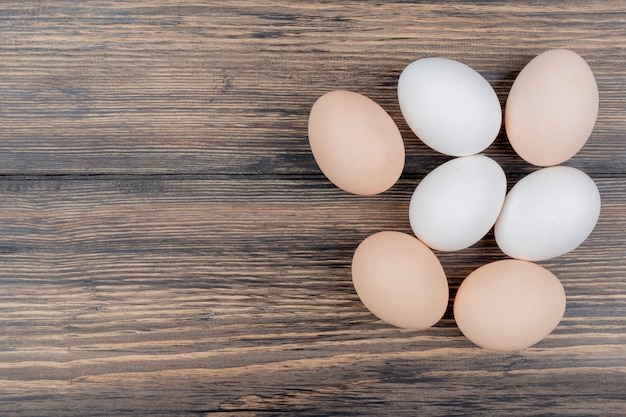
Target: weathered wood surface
[(169, 247)]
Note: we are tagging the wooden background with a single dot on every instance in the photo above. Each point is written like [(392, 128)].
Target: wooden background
[(169, 247)]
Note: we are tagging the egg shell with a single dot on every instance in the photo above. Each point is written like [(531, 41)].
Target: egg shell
[(458, 202), (551, 108), (548, 213), (400, 280), (449, 106), (509, 305), (355, 142)]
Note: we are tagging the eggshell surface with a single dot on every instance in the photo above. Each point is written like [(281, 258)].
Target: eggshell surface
[(356, 144), (400, 280), (548, 213), (458, 202), (551, 108), (509, 305), (449, 106)]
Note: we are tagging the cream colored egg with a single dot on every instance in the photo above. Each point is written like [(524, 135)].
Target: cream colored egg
[(551, 108), (356, 144), (400, 280), (509, 305)]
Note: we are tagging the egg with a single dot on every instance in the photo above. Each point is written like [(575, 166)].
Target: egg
[(509, 305), (458, 202), (449, 106), (548, 213), (400, 280), (551, 108), (355, 142)]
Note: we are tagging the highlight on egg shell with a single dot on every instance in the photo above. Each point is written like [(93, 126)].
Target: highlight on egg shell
[(548, 213), (449, 106), (509, 305), (551, 108), (458, 202), (355, 142), (400, 280)]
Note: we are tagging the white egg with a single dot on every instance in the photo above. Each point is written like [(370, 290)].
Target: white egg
[(457, 203), (449, 106), (548, 213)]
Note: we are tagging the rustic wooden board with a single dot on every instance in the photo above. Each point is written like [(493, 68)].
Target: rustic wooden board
[(143, 87), (169, 247)]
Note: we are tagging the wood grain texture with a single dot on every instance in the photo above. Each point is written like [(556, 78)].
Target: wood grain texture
[(169, 247)]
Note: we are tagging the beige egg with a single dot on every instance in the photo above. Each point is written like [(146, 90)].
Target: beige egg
[(355, 142), (400, 280), (551, 108), (509, 305)]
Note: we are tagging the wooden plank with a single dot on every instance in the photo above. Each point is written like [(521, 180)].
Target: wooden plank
[(149, 87), (235, 296), (168, 245)]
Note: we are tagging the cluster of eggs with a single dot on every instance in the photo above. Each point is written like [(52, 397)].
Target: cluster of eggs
[(549, 114)]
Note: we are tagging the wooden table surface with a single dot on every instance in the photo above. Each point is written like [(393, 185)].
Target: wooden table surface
[(169, 247)]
